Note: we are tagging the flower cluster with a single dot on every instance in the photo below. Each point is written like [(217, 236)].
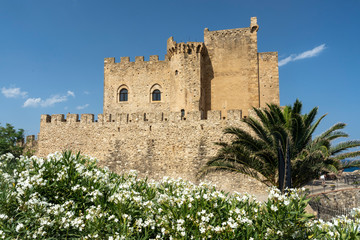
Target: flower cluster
[(68, 196)]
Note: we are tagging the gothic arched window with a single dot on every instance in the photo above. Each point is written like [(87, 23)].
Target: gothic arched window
[(156, 95), (123, 96)]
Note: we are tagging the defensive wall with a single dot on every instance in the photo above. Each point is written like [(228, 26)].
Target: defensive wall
[(154, 144)]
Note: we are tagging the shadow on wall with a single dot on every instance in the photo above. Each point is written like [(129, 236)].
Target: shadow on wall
[(207, 74)]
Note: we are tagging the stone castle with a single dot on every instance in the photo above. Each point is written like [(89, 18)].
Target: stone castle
[(163, 117)]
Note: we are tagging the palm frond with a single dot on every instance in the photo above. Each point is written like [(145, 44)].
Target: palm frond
[(310, 117), (344, 146), (332, 129), (346, 155), (316, 124)]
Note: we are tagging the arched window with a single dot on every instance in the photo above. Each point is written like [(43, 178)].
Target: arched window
[(123, 96), (156, 95)]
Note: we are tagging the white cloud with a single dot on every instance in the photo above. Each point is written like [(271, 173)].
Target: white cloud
[(52, 100), (32, 102), (307, 54), (86, 92), (285, 61), (70, 93), (35, 102), (13, 92), (82, 107)]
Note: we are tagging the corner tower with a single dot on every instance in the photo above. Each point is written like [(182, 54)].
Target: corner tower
[(232, 71)]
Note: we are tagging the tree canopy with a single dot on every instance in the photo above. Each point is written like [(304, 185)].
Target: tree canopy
[(10, 139)]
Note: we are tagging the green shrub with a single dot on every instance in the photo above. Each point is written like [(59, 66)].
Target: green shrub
[(68, 197)]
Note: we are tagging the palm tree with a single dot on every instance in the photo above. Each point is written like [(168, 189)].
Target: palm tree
[(255, 152)]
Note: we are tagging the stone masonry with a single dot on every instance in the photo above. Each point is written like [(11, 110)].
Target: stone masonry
[(163, 117)]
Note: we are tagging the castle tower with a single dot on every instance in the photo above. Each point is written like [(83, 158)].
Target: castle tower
[(185, 68), (233, 57)]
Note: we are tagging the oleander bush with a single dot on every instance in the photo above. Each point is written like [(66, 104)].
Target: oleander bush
[(67, 196)]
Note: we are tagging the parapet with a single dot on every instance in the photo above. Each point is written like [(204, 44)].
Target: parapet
[(124, 59), (138, 59), (87, 118), (109, 60), (55, 118), (186, 48), (154, 58), (72, 117), (152, 117)]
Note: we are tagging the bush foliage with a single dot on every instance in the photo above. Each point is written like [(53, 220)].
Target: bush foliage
[(68, 197), (9, 140)]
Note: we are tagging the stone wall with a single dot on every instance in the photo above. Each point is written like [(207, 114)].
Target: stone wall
[(140, 78), (156, 145), (335, 203), (268, 78)]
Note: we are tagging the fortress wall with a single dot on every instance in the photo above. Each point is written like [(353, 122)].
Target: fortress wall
[(268, 78), (140, 78), (154, 144)]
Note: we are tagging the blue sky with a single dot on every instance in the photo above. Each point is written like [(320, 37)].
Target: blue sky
[(52, 51)]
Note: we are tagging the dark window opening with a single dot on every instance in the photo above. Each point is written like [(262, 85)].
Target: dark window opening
[(123, 95), (176, 72), (182, 113), (189, 51), (156, 95)]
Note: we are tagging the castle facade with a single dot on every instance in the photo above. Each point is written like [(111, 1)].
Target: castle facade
[(163, 117)]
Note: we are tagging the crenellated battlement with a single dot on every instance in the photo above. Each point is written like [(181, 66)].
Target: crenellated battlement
[(138, 59), (185, 48), (127, 118)]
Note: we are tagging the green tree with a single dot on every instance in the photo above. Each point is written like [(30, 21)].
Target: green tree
[(255, 152), (10, 139)]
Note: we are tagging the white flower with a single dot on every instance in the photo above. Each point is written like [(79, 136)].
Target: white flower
[(19, 226), (274, 208)]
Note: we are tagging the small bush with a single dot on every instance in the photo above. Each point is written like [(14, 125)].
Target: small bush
[(68, 197)]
